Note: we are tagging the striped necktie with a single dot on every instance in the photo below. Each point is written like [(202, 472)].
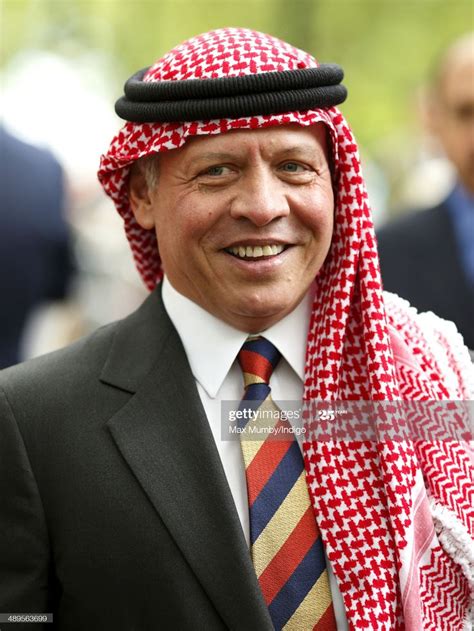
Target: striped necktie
[(286, 545)]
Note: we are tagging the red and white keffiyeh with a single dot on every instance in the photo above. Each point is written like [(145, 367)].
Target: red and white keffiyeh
[(396, 516)]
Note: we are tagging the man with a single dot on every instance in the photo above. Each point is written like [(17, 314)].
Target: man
[(124, 508), (428, 257), (31, 222)]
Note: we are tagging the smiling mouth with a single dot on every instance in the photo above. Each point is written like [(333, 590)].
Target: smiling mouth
[(252, 253)]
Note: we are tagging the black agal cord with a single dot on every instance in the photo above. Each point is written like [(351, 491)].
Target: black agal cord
[(231, 97)]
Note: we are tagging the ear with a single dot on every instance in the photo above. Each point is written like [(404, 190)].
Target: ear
[(429, 109), (140, 198)]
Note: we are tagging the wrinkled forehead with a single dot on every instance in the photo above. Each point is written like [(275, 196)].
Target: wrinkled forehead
[(271, 142)]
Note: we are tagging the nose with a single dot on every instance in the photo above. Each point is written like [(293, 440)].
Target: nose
[(260, 198)]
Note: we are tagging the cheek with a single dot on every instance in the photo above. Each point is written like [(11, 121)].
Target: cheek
[(184, 242), (177, 227), (318, 214)]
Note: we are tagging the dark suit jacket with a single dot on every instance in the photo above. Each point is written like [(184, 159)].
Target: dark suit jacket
[(35, 249), (420, 262), (115, 511)]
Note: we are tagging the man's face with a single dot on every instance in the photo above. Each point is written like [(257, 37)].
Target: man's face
[(454, 115), (243, 220)]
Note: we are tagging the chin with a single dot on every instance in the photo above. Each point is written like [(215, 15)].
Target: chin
[(273, 310)]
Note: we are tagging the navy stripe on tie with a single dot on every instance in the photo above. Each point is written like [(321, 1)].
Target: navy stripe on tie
[(265, 348), (256, 392), (292, 594), (252, 401), (276, 489)]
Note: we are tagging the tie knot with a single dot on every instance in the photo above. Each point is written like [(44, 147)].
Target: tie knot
[(257, 358)]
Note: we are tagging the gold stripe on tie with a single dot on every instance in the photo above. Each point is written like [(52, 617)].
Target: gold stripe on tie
[(280, 526), (250, 378), (313, 607)]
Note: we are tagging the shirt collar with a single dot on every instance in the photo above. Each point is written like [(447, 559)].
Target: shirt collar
[(460, 204), (460, 201), (212, 351)]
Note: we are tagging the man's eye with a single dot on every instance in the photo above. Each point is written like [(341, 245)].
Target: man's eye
[(463, 113), (292, 167), (217, 170)]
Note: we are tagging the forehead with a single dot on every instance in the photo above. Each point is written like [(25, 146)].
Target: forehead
[(457, 78), (268, 141)]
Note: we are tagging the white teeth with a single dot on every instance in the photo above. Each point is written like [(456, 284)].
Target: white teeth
[(258, 251)]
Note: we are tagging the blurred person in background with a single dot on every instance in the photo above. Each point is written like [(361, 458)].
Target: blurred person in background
[(427, 256), (36, 262), (124, 503)]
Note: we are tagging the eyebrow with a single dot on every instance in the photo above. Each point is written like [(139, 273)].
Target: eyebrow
[(308, 150), (214, 155)]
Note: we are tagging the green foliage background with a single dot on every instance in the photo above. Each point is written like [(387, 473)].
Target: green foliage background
[(385, 46)]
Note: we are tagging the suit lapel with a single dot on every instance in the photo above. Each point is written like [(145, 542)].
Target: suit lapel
[(163, 434)]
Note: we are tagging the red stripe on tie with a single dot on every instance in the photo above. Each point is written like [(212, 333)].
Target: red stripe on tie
[(262, 467), (289, 556), (327, 622), (256, 364)]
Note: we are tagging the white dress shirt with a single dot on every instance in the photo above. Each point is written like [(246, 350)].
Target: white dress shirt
[(212, 347)]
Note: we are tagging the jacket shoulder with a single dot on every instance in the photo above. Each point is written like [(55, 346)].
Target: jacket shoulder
[(78, 378), (413, 225), (78, 361)]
